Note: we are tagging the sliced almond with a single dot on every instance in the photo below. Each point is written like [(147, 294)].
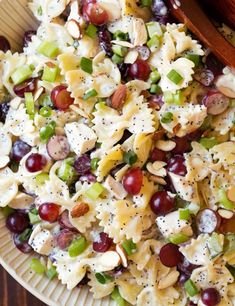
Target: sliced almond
[(73, 28), (168, 280), (119, 96), (38, 93), (140, 35), (231, 193), (157, 168), (131, 57), (177, 128), (226, 214), (122, 43), (165, 145), (157, 179), (122, 254), (228, 92), (79, 210)]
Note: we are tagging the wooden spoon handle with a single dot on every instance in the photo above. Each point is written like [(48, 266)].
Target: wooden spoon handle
[(190, 13)]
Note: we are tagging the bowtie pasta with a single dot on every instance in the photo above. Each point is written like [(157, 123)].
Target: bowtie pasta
[(117, 153)]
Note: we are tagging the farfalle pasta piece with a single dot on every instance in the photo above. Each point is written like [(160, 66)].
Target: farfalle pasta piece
[(128, 288), (224, 153), (135, 87), (8, 186), (68, 61), (112, 7), (197, 162), (224, 122), (130, 8), (142, 146), (142, 199), (5, 147), (99, 290)]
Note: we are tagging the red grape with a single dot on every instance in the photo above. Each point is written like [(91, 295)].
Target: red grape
[(210, 297), (105, 40), (161, 203), (49, 212), (124, 70), (159, 9), (35, 162), (186, 267), (95, 14), (208, 221), (170, 255), (182, 145), (58, 147), (82, 164), (194, 136), (215, 102), (204, 76), (132, 181), (61, 98), (89, 177), (17, 222), (103, 243), (157, 155), (64, 222), (64, 238), (139, 70), (176, 165), (214, 64), (4, 44), (28, 37), (24, 247), (27, 86), (19, 150), (4, 108), (144, 52)]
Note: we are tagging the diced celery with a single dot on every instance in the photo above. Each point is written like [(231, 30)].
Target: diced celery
[(117, 59), (51, 273), (154, 89), (190, 288), (77, 247), (91, 31), (25, 235), (155, 76), (46, 132), (178, 98), (224, 200), (34, 216), (178, 238), (103, 278), (50, 72), (94, 163), (116, 296), (45, 111), (37, 266), (41, 178), (215, 245), (7, 211), (119, 35), (153, 43), (168, 97), (154, 28), (95, 191), (167, 117), (66, 171), (89, 94), (119, 50), (48, 48), (21, 74), (208, 143), (29, 103), (175, 77), (184, 214)]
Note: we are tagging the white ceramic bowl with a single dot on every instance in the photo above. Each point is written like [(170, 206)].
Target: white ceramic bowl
[(15, 19)]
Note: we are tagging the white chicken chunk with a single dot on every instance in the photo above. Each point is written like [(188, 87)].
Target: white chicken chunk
[(41, 240)]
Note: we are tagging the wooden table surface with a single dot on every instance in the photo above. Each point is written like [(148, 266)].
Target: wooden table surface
[(13, 294)]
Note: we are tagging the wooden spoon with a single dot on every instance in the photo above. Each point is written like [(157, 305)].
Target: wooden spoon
[(190, 13)]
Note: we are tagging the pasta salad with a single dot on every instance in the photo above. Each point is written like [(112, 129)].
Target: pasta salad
[(117, 153)]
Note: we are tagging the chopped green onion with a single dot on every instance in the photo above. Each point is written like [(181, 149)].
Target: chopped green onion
[(224, 200), (178, 98), (154, 28), (168, 97), (94, 163), (215, 245), (155, 76), (48, 48), (91, 30), (146, 3), (94, 191), (25, 235), (89, 94), (51, 273), (155, 88), (117, 59), (7, 211), (39, 10), (46, 132), (167, 117), (193, 58), (45, 111), (34, 216), (119, 50), (29, 104), (129, 157), (175, 77), (37, 266), (21, 74), (66, 171), (153, 43), (129, 246), (208, 143), (119, 35), (14, 166), (190, 288), (184, 214), (50, 72), (116, 296), (41, 178), (86, 65), (103, 278), (77, 247), (45, 100), (178, 238)]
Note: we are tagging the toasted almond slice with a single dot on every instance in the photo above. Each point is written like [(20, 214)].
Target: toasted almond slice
[(122, 43), (165, 145), (119, 96), (79, 210), (122, 254), (157, 179), (228, 92), (168, 280), (131, 57), (158, 170), (176, 128), (157, 165), (73, 28), (226, 214), (15, 103), (231, 193), (38, 93)]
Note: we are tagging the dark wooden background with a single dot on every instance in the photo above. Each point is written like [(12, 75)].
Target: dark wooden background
[(13, 294)]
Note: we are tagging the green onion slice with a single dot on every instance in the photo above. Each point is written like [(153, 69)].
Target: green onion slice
[(46, 132), (45, 111), (117, 59), (25, 235), (29, 104), (94, 163), (89, 94), (103, 278), (119, 35), (167, 117), (21, 74), (86, 65), (77, 247), (129, 158), (129, 246), (116, 296), (175, 77), (190, 288), (155, 76), (7, 211)]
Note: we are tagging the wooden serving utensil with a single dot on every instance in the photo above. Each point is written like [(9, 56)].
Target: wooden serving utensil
[(190, 13)]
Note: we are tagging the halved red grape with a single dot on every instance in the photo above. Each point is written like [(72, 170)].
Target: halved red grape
[(95, 14), (63, 220), (105, 40), (49, 212), (159, 9), (170, 255), (4, 44), (29, 85), (204, 76), (215, 102), (132, 181), (103, 243), (4, 108), (144, 52), (35, 162), (61, 98), (210, 297), (58, 147), (183, 278), (186, 267), (19, 150), (176, 165), (28, 37), (24, 247), (161, 203), (64, 238), (214, 64), (207, 221), (194, 136), (182, 145), (139, 70), (83, 164), (157, 155), (17, 222)]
